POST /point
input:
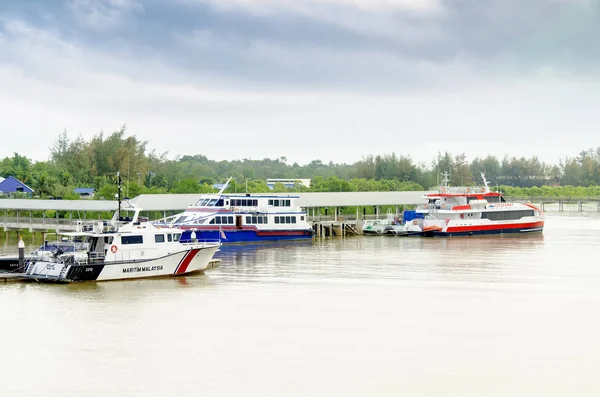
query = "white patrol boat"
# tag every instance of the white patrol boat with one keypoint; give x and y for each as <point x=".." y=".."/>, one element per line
<point x="124" y="248"/>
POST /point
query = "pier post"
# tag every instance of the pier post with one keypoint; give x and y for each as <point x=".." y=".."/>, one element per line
<point x="21" y="246"/>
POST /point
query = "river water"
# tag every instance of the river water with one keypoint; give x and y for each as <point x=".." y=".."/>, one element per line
<point x="355" y="316"/>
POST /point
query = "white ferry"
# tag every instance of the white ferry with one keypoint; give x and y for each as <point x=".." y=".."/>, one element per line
<point x="455" y="211"/>
<point x="124" y="248"/>
<point x="246" y="217"/>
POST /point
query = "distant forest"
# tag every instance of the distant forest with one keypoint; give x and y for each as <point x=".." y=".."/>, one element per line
<point x="75" y="162"/>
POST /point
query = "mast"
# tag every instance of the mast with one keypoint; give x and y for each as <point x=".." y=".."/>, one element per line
<point x="445" y="180"/>
<point x="485" y="182"/>
<point x="225" y="185"/>
<point x="119" y="196"/>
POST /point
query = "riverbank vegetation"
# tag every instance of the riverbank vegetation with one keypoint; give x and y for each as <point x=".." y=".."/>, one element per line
<point x="75" y="162"/>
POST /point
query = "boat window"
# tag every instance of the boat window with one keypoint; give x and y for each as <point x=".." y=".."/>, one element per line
<point x="287" y="203"/>
<point x="212" y="202"/>
<point x="231" y="220"/>
<point x="169" y="237"/>
<point x="276" y="203"/>
<point x="270" y="202"/>
<point x="255" y="203"/>
<point x="260" y="219"/>
<point x="248" y="219"/>
<point x="288" y="219"/>
<point x="204" y="202"/>
<point x="276" y="219"/>
<point x="254" y="220"/>
<point x="226" y="202"/>
<point x="132" y="240"/>
<point x="159" y="238"/>
<point x="176" y="236"/>
<point x="218" y="220"/>
<point x="302" y="218"/>
<point x="293" y="219"/>
<point x="219" y="203"/>
<point x="492" y="199"/>
<point x="506" y="215"/>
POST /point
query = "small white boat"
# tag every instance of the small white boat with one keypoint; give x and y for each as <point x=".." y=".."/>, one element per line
<point x="124" y="248"/>
<point x="390" y="225"/>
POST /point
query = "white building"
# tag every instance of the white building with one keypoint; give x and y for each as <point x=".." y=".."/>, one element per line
<point x="287" y="182"/>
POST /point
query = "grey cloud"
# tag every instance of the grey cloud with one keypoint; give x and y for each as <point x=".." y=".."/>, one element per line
<point x="384" y="49"/>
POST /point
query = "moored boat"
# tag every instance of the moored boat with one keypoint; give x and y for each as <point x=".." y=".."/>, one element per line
<point x="124" y="248"/>
<point x="455" y="211"/>
<point x="10" y="263"/>
<point x="389" y="225"/>
<point x="234" y="218"/>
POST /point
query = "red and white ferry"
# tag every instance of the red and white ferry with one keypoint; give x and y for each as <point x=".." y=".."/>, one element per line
<point x="455" y="211"/>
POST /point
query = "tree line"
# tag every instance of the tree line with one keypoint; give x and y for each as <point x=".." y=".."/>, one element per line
<point x="76" y="162"/>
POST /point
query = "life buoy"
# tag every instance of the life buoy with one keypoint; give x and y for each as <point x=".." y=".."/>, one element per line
<point x="113" y="249"/>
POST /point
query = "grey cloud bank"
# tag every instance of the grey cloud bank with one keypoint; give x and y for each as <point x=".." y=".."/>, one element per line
<point x="329" y="80"/>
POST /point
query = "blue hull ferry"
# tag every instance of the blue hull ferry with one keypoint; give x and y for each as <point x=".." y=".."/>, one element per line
<point x="237" y="218"/>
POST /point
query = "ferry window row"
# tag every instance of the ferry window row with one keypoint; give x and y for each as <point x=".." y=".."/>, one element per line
<point x="506" y="215"/>
<point x="244" y="203"/>
<point x="160" y="238"/>
<point x="489" y="199"/>
<point x="280" y="203"/>
<point x="256" y="219"/>
<point x="212" y="202"/>
<point x="222" y="220"/>
<point x="132" y="240"/>
<point x="285" y="219"/>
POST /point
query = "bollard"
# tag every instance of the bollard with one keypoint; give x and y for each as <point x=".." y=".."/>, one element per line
<point x="21" y="255"/>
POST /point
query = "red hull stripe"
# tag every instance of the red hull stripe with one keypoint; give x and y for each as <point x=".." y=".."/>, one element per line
<point x="185" y="262"/>
<point x="525" y="225"/>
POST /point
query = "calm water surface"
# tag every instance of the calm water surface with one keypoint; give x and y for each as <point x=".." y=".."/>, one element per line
<point x="359" y="316"/>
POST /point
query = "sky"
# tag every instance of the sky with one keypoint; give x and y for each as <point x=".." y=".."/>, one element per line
<point x="329" y="80"/>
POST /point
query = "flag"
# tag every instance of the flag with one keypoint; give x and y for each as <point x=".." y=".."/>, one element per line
<point x="222" y="233"/>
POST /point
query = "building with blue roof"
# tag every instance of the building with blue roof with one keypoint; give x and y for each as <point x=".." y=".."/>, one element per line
<point x="11" y="186"/>
<point x="85" y="192"/>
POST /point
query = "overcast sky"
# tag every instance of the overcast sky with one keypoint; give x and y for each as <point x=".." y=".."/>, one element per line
<point x="333" y="80"/>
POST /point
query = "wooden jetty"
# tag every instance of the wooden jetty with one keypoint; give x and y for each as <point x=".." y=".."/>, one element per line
<point x="12" y="277"/>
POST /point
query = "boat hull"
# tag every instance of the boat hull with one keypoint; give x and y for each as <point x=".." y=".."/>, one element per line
<point x="530" y="227"/>
<point x="247" y="236"/>
<point x="176" y="264"/>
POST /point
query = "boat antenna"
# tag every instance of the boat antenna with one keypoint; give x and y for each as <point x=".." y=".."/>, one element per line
<point x="445" y="179"/>
<point x="119" y="196"/>
<point x="225" y="185"/>
<point x="485" y="182"/>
